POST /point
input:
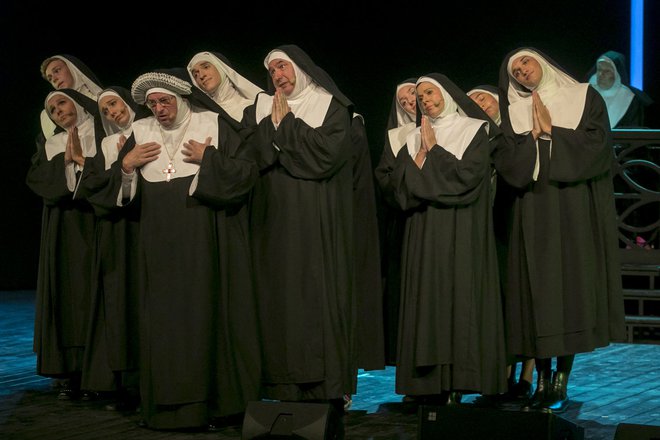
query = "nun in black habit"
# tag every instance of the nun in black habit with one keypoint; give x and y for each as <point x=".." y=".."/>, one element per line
<point x="487" y="97"/>
<point x="401" y="121"/>
<point x="66" y="257"/>
<point x="182" y="166"/>
<point x="302" y="231"/>
<point x="67" y="71"/>
<point x="451" y="336"/>
<point x="111" y="362"/>
<point x="212" y="73"/>
<point x="563" y="284"/>
<point x="626" y="104"/>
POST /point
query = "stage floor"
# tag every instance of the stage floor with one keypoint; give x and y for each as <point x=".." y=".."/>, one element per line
<point x="612" y="385"/>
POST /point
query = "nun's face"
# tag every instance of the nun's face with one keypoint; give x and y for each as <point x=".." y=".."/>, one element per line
<point x="527" y="71"/>
<point x="430" y="97"/>
<point x="604" y="75"/>
<point x="114" y="109"/>
<point x="163" y="106"/>
<point x="407" y="99"/>
<point x="62" y="111"/>
<point x="283" y="75"/>
<point x="59" y="75"/>
<point x="206" y="76"/>
<point x="487" y="103"/>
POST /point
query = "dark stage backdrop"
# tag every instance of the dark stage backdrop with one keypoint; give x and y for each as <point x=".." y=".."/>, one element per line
<point x="366" y="50"/>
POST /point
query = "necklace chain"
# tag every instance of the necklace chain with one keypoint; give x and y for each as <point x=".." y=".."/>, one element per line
<point x="177" y="145"/>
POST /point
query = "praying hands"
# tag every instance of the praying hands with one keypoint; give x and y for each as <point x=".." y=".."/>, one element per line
<point x="428" y="141"/>
<point x="541" y="117"/>
<point x="280" y="107"/>
<point x="73" y="151"/>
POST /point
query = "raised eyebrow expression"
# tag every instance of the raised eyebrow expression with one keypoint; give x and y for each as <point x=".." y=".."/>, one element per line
<point x="106" y="107"/>
<point x="279" y="66"/>
<point x="427" y="91"/>
<point x="58" y="102"/>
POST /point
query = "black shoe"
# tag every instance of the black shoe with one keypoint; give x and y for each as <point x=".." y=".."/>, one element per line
<point x="557" y="399"/>
<point x="539" y="398"/>
<point x="123" y="405"/>
<point x="488" y="400"/>
<point x="218" y="423"/>
<point x="89" y="396"/>
<point x="68" y="394"/>
<point x="454" y="398"/>
<point x="520" y="391"/>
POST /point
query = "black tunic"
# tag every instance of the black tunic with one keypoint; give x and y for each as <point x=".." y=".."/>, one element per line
<point x="368" y="286"/>
<point x="563" y="284"/>
<point x="450" y="329"/>
<point x="112" y="362"/>
<point x="301" y="225"/>
<point x="66" y="257"/>
<point x="199" y="348"/>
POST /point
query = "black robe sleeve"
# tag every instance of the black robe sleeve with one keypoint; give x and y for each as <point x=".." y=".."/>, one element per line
<point x="443" y="179"/>
<point x="226" y="174"/>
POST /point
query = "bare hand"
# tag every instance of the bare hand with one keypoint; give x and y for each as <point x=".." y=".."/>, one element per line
<point x="540" y="116"/>
<point x="194" y="151"/>
<point x="428" y="141"/>
<point x="121" y="142"/>
<point x="140" y="155"/>
<point x="280" y="107"/>
<point x="74" y="148"/>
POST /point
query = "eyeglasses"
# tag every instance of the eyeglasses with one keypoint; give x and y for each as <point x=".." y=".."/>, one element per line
<point x="163" y="101"/>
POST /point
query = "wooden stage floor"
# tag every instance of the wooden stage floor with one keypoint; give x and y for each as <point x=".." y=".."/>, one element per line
<point x="619" y="384"/>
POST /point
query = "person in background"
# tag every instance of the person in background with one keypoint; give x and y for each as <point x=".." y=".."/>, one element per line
<point x="404" y="108"/>
<point x="212" y="73"/>
<point x="368" y="283"/>
<point x="451" y="335"/>
<point x="625" y="104"/>
<point x="113" y="362"/>
<point x="521" y="388"/>
<point x="563" y="286"/>
<point x="401" y="121"/>
<point x="67" y="72"/>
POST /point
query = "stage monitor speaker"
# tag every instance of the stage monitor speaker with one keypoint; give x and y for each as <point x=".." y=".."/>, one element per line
<point x="630" y="431"/>
<point x="470" y="423"/>
<point x="291" y="420"/>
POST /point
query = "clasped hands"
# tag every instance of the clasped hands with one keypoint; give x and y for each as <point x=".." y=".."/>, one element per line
<point x="542" y="122"/>
<point x="280" y="108"/>
<point x="428" y="141"/>
<point x="73" y="150"/>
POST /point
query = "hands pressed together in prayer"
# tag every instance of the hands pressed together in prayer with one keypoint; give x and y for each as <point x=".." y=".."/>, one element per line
<point x="541" y="117"/>
<point x="280" y="107"/>
<point x="194" y="151"/>
<point x="428" y="141"/>
<point x="73" y="151"/>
